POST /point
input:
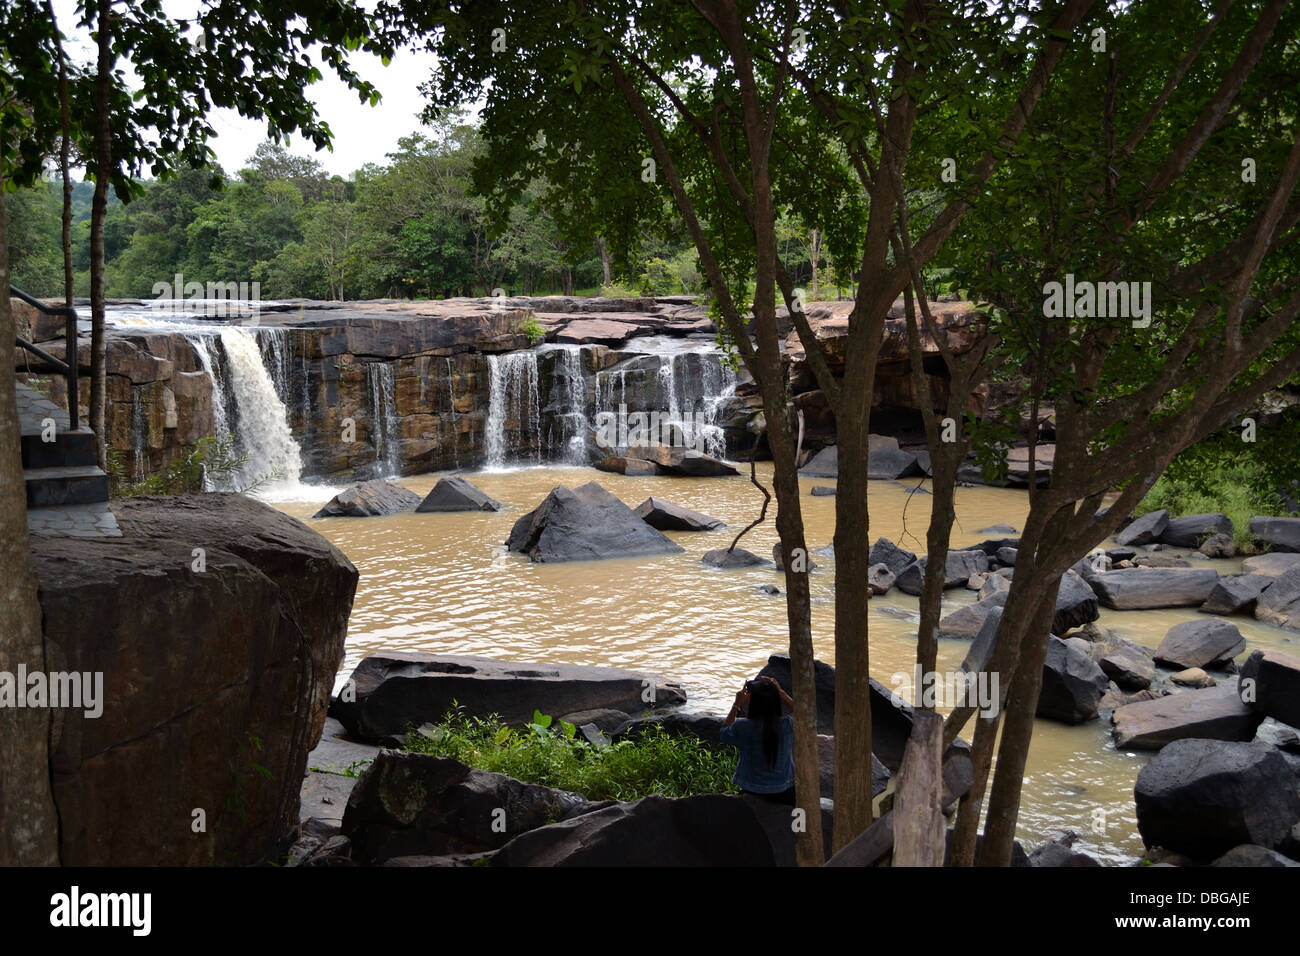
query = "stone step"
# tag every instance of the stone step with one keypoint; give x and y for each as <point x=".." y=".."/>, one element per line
<point x="67" y="449"/>
<point x="74" y="521"/>
<point x="66" y="485"/>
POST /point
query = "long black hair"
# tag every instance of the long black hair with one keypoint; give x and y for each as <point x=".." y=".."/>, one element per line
<point x="765" y="709"/>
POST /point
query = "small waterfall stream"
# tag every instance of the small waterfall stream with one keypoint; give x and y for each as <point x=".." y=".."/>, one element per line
<point x="385" y="424"/>
<point x="514" y="396"/>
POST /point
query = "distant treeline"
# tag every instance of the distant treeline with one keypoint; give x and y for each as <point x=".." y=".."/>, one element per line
<point x="412" y="228"/>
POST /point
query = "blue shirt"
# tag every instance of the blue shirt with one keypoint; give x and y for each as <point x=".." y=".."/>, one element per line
<point x="752" y="770"/>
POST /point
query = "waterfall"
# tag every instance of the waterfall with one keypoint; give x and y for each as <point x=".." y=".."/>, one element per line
<point x="139" y="431"/>
<point x="277" y="356"/>
<point x="246" y="405"/>
<point x="698" y="411"/>
<point x="513" y="392"/>
<point x="385" y="424"/>
<point x="568" y="438"/>
<point x="451" y="407"/>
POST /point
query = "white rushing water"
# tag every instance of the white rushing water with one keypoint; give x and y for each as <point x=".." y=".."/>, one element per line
<point x="274" y="457"/>
<point x="513" y="386"/>
<point x="385" y="425"/>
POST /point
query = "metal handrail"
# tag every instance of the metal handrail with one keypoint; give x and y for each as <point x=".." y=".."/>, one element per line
<point x="68" y="367"/>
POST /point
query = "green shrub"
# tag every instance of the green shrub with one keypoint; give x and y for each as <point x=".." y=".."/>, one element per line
<point x="1238" y="488"/>
<point x="656" y="762"/>
<point x="533" y="329"/>
<point x="213" y="458"/>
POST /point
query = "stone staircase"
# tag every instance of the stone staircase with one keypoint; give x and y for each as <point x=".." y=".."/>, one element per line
<point x="67" y="491"/>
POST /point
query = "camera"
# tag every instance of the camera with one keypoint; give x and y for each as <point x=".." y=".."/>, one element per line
<point x="752" y="685"/>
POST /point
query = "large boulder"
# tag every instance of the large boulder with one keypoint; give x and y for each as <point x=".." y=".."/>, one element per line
<point x="1282" y="534"/>
<point x="1236" y="593"/>
<point x="1272" y="565"/>
<point x="1073" y="684"/>
<point x="677" y="460"/>
<point x="1204" y="797"/>
<point x="958" y="568"/>
<point x="705" y="727"/>
<point x="824" y="464"/>
<point x="1279" y="603"/>
<point x="198" y="661"/>
<point x="1215" y="713"/>
<point x="371" y="499"/>
<point x="886" y="461"/>
<point x="1205" y="643"/>
<point x="1076" y="604"/>
<point x="392" y="690"/>
<point x="1129" y="589"/>
<point x="891" y="555"/>
<point x="1251" y="855"/>
<point x="1190" y="530"/>
<point x="709" y="830"/>
<point x="730" y="558"/>
<point x="1128" y="667"/>
<point x="1145" y="530"/>
<point x="455" y="493"/>
<point x="582" y="524"/>
<point x="412" y="804"/>
<point x="667" y="516"/>
<point x="964" y="623"/>
<point x="1270" y="682"/>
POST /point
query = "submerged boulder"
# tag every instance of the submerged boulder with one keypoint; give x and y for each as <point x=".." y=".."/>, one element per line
<point x="455" y="493"/>
<point x="667" y="516"/>
<point x="583" y="524"/>
<point x="392" y="690"/>
<point x="1205" y="797"/>
<point x="1130" y="589"/>
<point x="729" y="558"/>
<point x="371" y="499"/>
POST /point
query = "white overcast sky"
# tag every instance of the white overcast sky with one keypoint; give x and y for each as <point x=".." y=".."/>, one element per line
<point x="362" y="134"/>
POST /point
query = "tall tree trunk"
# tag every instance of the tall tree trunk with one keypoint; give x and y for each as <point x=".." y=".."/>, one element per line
<point x="815" y="250"/>
<point x="604" y="260"/>
<point x="30" y="832"/>
<point x="65" y="139"/>
<point x="98" y="211"/>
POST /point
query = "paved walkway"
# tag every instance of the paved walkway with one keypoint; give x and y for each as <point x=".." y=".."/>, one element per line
<point x="74" y="521"/>
<point x="34" y="408"/>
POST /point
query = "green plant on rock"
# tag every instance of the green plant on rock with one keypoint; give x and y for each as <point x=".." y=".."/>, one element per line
<point x="533" y="329"/>
<point x="211" y="461"/>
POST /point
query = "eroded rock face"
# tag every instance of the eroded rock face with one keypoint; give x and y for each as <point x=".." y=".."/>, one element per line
<point x="395" y="689"/>
<point x="206" y="673"/>
<point x="583" y="524"/>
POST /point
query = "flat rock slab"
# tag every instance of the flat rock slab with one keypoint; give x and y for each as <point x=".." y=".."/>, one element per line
<point x="371" y="499"/>
<point x="667" y="516"/>
<point x="396" y="689"/>
<point x="737" y="558"/>
<point x="1190" y="530"/>
<point x="1203" y="643"/>
<point x="1282" y="533"/>
<point x="1215" y="713"/>
<point x="1139" y="588"/>
<point x="596" y="332"/>
<point x="675" y="460"/>
<point x="1273" y="565"/>
<point x="958" y="568"/>
<point x="455" y="493"/>
<point x="584" y="524"/>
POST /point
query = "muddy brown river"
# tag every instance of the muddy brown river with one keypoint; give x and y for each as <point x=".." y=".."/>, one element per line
<point x="444" y="583"/>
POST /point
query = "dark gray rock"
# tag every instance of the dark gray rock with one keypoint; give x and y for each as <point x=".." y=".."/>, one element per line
<point x="1282" y="534"/>
<point x="1120" y="554"/>
<point x="728" y="559"/>
<point x="1279" y="603"/>
<point x="891" y="555"/>
<point x="997" y="529"/>
<point x="957" y="571"/>
<point x="1215" y="713"/>
<point x="886" y="461"/>
<point x="1204" y="797"/>
<point x="1145" y="530"/>
<point x="1249" y="854"/>
<point x="1128" y="667"/>
<point x="1007" y="556"/>
<point x="666" y="516"/>
<point x="1270" y="682"/>
<point x="824" y="464"/>
<point x="1060" y="852"/>
<point x="964" y="623"/>
<point x="808" y="563"/>
<point x="708" y="830"/>
<point x="455" y="493"/>
<point x="417" y="804"/>
<point x="1236" y="594"/>
<point x="371" y="499"/>
<point x="583" y="524"/>
<point x="1073" y="684"/>
<point x="1272" y="565"/>
<point x="1076" y="604"/>
<point x="823" y="491"/>
<point x="1137" y="588"/>
<point x="880" y="579"/>
<point x="397" y="689"/>
<point x="1218" y="546"/>
<point x="705" y="727"/>
<point x="1209" y="642"/>
<point x="605" y="718"/>
<point x="1190" y="530"/>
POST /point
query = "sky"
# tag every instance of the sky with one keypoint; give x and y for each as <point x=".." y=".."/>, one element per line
<point x="362" y="134"/>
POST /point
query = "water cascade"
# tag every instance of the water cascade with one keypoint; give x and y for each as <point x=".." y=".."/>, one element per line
<point x="514" y="399"/>
<point x="385" y="424"/>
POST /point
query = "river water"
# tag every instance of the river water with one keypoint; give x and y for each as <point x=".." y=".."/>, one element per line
<point x="444" y="583"/>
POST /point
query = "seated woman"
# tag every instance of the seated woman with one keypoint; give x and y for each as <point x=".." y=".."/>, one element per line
<point x="765" y="740"/>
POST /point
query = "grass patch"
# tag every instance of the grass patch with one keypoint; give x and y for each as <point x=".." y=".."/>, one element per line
<point x="1237" y="490"/>
<point x="556" y="756"/>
